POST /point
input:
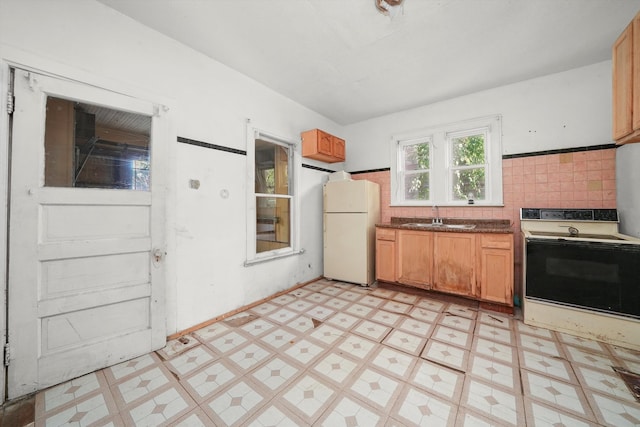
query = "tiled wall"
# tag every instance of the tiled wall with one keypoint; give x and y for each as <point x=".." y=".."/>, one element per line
<point x="581" y="179"/>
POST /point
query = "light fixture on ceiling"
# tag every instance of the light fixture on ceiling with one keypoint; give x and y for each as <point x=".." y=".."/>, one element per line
<point x="391" y="8"/>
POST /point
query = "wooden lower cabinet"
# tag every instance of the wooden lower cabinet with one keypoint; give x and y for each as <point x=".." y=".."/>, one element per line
<point x="415" y="257"/>
<point x="454" y="262"/>
<point x="386" y="254"/>
<point x="495" y="268"/>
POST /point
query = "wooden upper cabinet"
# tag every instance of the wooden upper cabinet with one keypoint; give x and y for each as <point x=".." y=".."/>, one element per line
<point x="320" y="145"/>
<point x="626" y="84"/>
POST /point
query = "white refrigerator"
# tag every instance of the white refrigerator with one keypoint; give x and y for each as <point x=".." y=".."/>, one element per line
<point x="351" y="211"/>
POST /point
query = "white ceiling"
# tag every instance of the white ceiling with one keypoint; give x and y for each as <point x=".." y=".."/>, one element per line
<point x="349" y="62"/>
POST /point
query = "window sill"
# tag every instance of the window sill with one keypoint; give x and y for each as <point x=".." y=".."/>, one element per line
<point x="272" y="256"/>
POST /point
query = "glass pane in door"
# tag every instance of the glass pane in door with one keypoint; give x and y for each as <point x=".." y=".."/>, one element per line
<point x="95" y="147"/>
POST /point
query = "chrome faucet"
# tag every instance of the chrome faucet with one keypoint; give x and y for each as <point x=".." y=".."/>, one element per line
<point x="435" y="212"/>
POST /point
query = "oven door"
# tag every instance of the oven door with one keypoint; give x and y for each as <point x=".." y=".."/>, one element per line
<point x="593" y="275"/>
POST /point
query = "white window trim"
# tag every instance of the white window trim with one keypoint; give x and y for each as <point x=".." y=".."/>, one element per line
<point x="252" y="257"/>
<point x="440" y="160"/>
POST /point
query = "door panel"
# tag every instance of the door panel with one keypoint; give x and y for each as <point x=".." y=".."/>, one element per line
<point x="85" y="287"/>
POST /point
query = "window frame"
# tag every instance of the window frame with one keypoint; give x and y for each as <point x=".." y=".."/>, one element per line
<point x="400" y="164"/>
<point x="441" y="160"/>
<point x="449" y="137"/>
<point x="294" y="167"/>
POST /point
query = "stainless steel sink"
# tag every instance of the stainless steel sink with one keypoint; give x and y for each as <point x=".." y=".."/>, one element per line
<point x="437" y="226"/>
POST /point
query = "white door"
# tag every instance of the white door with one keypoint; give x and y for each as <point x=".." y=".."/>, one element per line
<point x="86" y="241"/>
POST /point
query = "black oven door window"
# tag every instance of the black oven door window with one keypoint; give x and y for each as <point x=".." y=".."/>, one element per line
<point x="593" y="275"/>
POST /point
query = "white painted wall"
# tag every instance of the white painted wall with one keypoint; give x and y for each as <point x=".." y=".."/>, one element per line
<point x="627" y="193"/>
<point x="86" y="41"/>
<point x="569" y="109"/>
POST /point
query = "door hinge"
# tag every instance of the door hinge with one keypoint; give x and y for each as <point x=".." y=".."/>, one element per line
<point x="7" y="354"/>
<point x="10" y="102"/>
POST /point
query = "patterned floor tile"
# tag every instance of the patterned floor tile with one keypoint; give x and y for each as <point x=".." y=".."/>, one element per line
<point x="227" y="342"/>
<point x="377" y="389"/>
<point x="283" y="299"/>
<point x="335" y="368"/>
<point x="300" y="305"/>
<point x="405" y="298"/>
<point x="588" y="358"/>
<point x="469" y="418"/>
<point x="195" y="418"/>
<point x="547" y="365"/>
<point x="282" y="316"/>
<point x="540" y="345"/>
<point x="417" y="408"/>
<point x="143" y="384"/>
<point x="372" y="301"/>
<point x="350" y="296"/>
<point x="161" y="409"/>
<point x="625" y="353"/>
<point x="308" y="397"/>
<point x="405" y="341"/>
<point x="265" y="308"/>
<point x="235" y="404"/>
<point x="300" y="292"/>
<point x="279" y="337"/>
<point x="209" y="332"/>
<point x="397" y="307"/>
<point x="91" y="408"/>
<point x="494" y="350"/>
<point x="540" y="415"/>
<point x="276" y="373"/>
<point x="319" y="312"/>
<point x="258" y="327"/>
<point x="608" y="383"/>
<point x="357" y="347"/>
<point x="343" y="320"/>
<point x="562" y="396"/>
<point x="589" y="345"/>
<point x="304" y="352"/>
<point x="438" y="380"/>
<point x="452" y="336"/>
<point x="327" y="334"/>
<point x="495" y="372"/>
<point x="177" y="346"/>
<point x="373" y="331"/>
<point x="416" y="327"/>
<point x="495" y="319"/>
<point x="495" y="403"/>
<point x="461" y="310"/>
<point x="317" y="298"/>
<point x="359" y="310"/>
<point x="383" y="293"/>
<point x="495" y="333"/>
<point x="523" y="328"/>
<point x="249" y="356"/>
<point x="274" y="414"/>
<point x="423" y="314"/>
<point x="613" y="412"/>
<point x="207" y="382"/>
<point x="336" y="303"/>
<point x="431" y="305"/>
<point x="393" y="362"/>
<point x="191" y="361"/>
<point x="131" y="367"/>
<point x="332" y="290"/>
<point x="458" y="322"/>
<point x="445" y="354"/>
<point x="64" y="394"/>
<point x="302" y="324"/>
<point x="350" y="412"/>
<point x="385" y="317"/>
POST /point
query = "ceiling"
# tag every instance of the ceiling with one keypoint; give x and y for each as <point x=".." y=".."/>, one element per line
<point x="348" y="62"/>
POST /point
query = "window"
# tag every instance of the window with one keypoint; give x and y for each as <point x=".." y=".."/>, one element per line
<point x="456" y="164"/>
<point x="271" y="196"/>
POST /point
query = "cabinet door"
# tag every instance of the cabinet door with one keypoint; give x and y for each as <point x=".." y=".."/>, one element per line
<point x="415" y="258"/>
<point x="495" y="267"/>
<point x="623" y="84"/>
<point x="339" y="149"/>
<point x="386" y="260"/>
<point x="325" y="143"/>
<point x="454" y="263"/>
<point x="496" y="270"/>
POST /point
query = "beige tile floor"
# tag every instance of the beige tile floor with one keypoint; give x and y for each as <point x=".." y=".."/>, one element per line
<point x="335" y="354"/>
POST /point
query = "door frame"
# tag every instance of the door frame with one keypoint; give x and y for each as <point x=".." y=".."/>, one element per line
<point x="11" y="57"/>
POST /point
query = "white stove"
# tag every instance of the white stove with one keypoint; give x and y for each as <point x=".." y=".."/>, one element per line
<point x="581" y="276"/>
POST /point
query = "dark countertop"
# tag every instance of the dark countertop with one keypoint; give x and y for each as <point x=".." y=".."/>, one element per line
<point x="481" y="225"/>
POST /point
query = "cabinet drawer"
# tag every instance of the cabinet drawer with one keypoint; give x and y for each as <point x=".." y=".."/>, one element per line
<point x="385" y="234"/>
<point x="497" y="241"/>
